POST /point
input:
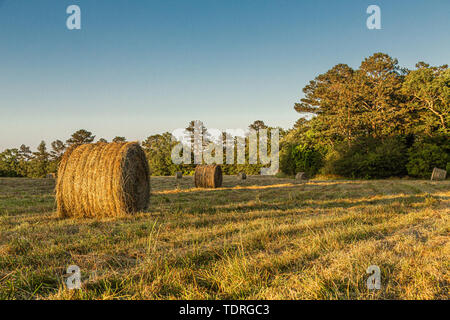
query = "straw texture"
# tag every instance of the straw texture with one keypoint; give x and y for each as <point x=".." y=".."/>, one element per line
<point x="103" y="179"/>
<point x="208" y="176"/>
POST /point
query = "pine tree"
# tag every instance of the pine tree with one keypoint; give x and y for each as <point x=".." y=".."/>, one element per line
<point x="80" y="137"/>
<point x="40" y="162"/>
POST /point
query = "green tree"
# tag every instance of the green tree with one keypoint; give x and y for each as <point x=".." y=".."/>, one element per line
<point x="24" y="156"/>
<point x="257" y="125"/>
<point x="299" y="150"/>
<point x="159" y="151"/>
<point x="56" y="153"/>
<point x="80" y="137"/>
<point x="428" y="153"/>
<point x="428" y="89"/>
<point x="331" y="99"/>
<point x="119" y="139"/>
<point x="9" y="163"/>
<point x="203" y="135"/>
<point x="58" y="149"/>
<point x="348" y="104"/>
<point x="378" y="83"/>
<point x="203" y="138"/>
<point x="40" y="162"/>
<point x="364" y="119"/>
<point x="370" y="158"/>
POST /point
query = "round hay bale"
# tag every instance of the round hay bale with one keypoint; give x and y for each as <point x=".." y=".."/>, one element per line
<point x="103" y="180"/>
<point x="438" y="174"/>
<point x="178" y="175"/>
<point x="242" y="176"/>
<point x="301" y="176"/>
<point x="208" y="176"/>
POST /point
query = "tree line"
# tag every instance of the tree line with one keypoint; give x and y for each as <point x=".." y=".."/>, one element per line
<point x="22" y="162"/>
<point x="377" y="121"/>
<point x="380" y="120"/>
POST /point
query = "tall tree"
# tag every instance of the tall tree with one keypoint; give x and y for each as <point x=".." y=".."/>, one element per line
<point x="9" y="163"/>
<point x="203" y="134"/>
<point x="349" y="104"/>
<point x="429" y="91"/>
<point x="56" y="153"/>
<point x="80" y="137"/>
<point x="119" y="139"/>
<point x="58" y="148"/>
<point x="331" y="99"/>
<point x="381" y="105"/>
<point x="258" y="124"/>
<point x="24" y="156"/>
<point x="159" y="150"/>
<point x="25" y="153"/>
<point x="40" y="162"/>
<point x="199" y="141"/>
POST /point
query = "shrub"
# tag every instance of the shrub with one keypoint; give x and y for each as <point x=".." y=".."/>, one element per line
<point x="300" y="158"/>
<point x="427" y="153"/>
<point x="371" y="158"/>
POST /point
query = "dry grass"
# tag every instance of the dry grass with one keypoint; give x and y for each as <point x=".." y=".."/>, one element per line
<point x="260" y="238"/>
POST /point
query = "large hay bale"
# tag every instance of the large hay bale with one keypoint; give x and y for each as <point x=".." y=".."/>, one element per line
<point x="438" y="174"/>
<point x="208" y="176"/>
<point x="103" y="179"/>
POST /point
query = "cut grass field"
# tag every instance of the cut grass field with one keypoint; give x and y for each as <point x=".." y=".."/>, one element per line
<point x="263" y="238"/>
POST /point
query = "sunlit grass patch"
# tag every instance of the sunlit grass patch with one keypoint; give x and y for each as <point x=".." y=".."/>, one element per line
<point x="263" y="238"/>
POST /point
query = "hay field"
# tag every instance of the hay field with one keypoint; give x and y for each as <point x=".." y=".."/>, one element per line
<point x="262" y="238"/>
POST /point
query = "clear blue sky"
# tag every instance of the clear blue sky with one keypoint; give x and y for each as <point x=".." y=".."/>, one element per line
<point x="141" y="67"/>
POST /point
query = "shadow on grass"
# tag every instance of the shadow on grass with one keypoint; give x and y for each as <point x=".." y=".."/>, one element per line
<point x="262" y="206"/>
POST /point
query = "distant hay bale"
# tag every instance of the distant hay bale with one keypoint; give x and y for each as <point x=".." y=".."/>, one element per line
<point x="50" y="176"/>
<point x="438" y="174"/>
<point x="242" y="176"/>
<point x="208" y="176"/>
<point x="301" y="176"/>
<point x="178" y="175"/>
<point x="103" y="179"/>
